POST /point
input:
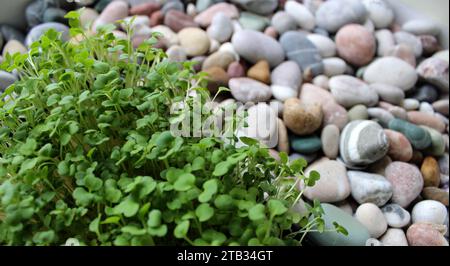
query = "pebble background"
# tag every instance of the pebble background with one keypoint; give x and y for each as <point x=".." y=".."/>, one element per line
<point x="363" y="99"/>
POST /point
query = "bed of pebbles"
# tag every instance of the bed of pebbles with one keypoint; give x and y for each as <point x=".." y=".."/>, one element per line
<point x="363" y="99"/>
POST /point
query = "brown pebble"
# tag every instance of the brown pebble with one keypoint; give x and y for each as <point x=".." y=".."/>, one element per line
<point x="434" y="193"/>
<point x="302" y="118"/>
<point x="157" y="18"/>
<point x="177" y="20"/>
<point x="236" y="70"/>
<point x="425" y="234"/>
<point x="260" y="71"/>
<point x="417" y="158"/>
<point x="216" y="77"/>
<point x="430" y="172"/>
<point x="146" y="9"/>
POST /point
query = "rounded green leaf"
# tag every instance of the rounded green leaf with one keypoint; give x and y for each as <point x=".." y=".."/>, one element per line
<point x="181" y="229"/>
<point x="184" y="182"/>
<point x="257" y="212"/>
<point x="204" y="212"/>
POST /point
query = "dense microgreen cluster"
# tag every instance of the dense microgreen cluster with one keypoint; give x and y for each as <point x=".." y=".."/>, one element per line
<point x="85" y="154"/>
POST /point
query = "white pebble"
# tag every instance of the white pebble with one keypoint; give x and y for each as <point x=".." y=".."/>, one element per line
<point x="429" y="211"/>
<point x="411" y="104"/>
<point x="372" y="218"/>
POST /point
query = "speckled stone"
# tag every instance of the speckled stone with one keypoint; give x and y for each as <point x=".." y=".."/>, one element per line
<point x="363" y="142"/>
<point x="406" y="180"/>
<point x="399" y="147"/>
<point x="435" y="71"/>
<point x="369" y="188"/>
<point x="425" y="234"/>
<point x="301" y="118"/>
<point x="355" y="44"/>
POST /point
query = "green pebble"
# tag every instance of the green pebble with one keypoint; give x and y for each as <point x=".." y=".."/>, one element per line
<point x="101" y="5"/>
<point x="420" y="138"/>
<point x="253" y="22"/>
<point x="54" y="15"/>
<point x="437" y="147"/>
<point x="357" y="232"/>
<point x="358" y="112"/>
<point x="306" y="145"/>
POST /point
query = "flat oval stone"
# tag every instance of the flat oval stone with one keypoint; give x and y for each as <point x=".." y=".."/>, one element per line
<point x="287" y="74"/>
<point x="394" y="237"/>
<point x="358" y="112"/>
<point x="249" y="90"/>
<point x="252" y="21"/>
<point x="438" y="146"/>
<point x="399" y="147"/>
<point x="36" y="32"/>
<point x="388" y="93"/>
<point x="425" y="234"/>
<point x="372" y="218"/>
<point x="220" y="59"/>
<point x="442" y="106"/>
<point x="406" y="180"/>
<point x="396" y="216"/>
<point x="299" y="49"/>
<point x="304" y="18"/>
<point x="363" y="142"/>
<point x="421" y="118"/>
<point x="430" y="172"/>
<point x="380" y="13"/>
<point x="334" y="66"/>
<point x="301" y="118"/>
<point x="333" y="184"/>
<point x="418" y="137"/>
<point x="326" y="46"/>
<point x="380" y="115"/>
<point x="254" y="46"/>
<point x="435" y="71"/>
<point x="177" y="20"/>
<point x="410" y="40"/>
<point x="221" y="28"/>
<point x="14" y="46"/>
<point x="369" y="188"/>
<point x="357" y="232"/>
<point x="332" y="15"/>
<point x="113" y="12"/>
<point x="421" y="27"/>
<point x="306" y="145"/>
<point x="349" y="91"/>
<point x="283" y="22"/>
<point x="6" y="79"/>
<point x="263" y="7"/>
<point x="205" y="17"/>
<point x="429" y="211"/>
<point x="392" y="71"/>
<point x="194" y="41"/>
<point x="355" y="44"/>
<point x="330" y="141"/>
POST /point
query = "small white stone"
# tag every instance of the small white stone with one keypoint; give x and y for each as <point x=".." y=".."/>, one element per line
<point x="334" y="66"/>
<point x="326" y="46"/>
<point x="426" y="108"/>
<point x="396" y="216"/>
<point x="228" y="47"/>
<point x="429" y="211"/>
<point x="411" y="104"/>
<point x="394" y="237"/>
<point x="372" y="218"/>
<point x="282" y="93"/>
